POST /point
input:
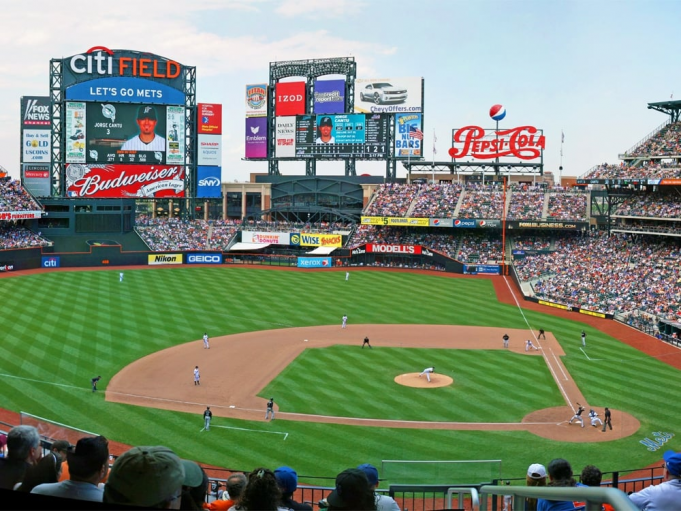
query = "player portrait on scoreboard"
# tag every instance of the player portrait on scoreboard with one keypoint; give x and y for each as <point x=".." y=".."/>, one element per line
<point x="325" y="129"/>
<point x="147" y="139"/>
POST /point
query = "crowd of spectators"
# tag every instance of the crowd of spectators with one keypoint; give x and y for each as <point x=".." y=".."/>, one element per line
<point x="162" y="234"/>
<point x="443" y="243"/>
<point x="610" y="274"/>
<point x="482" y="203"/>
<point x="14" y="236"/>
<point x="665" y="142"/>
<point x="392" y="199"/>
<point x="531" y="243"/>
<point x="650" y="227"/>
<point x="660" y="205"/>
<point x="437" y="200"/>
<point x="568" y="206"/>
<point x="527" y="202"/>
<point x="648" y="170"/>
<point x="481" y="248"/>
<point x="13" y="197"/>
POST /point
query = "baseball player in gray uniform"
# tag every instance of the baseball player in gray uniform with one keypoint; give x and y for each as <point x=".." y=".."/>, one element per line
<point x="205" y="341"/>
<point x="207" y="416"/>
<point x="197" y="376"/>
<point x="147" y="140"/>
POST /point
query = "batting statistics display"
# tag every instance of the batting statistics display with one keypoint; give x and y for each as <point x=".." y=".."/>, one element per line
<point x="338" y="136"/>
<point x="124" y="133"/>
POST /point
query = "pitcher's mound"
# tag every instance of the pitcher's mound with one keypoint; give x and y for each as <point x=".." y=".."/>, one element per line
<point x="413" y="380"/>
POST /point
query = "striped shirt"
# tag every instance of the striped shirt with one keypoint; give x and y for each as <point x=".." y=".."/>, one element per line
<point x="135" y="144"/>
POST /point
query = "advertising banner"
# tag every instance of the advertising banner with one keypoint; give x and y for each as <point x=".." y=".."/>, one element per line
<point x="36" y="146"/>
<point x="392" y="220"/>
<point x="388" y="95"/>
<point x="209" y="151"/>
<point x="50" y="262"/>
<point x="314" y="262"/>
<point x="329" y="96"/>
<point x="209" y="184"/>
<point x="6" y="266"/>
<point x="563" y="226"/>
<point x="36" y="179"/>
<point x="272" y="238"/>
<point x="210" y="119"/>
<point x="489" y="224"/>
<point x="286" y="142"/>
<point x="290" y="98"/>
<point x="19" y="215"/>
<point x="213" y="258"/>
<point x="316" y="240"/>
<point x="337" y="136"/>
<point x="125" y="90"/>
<point x="408" y="135"/>
<point x="157" y="259"/>
<point x="127" y="133"/>
<point x="523" y="142"/>
<point x="441" y="222"/>
<point x="256" y="100"/>
<point x="378" y="248"/>
<point x="465" y="223"/>
<point x="101" y="62"/>
<point x="35" y="112"/>
<point x="256" y="137"/>
<point x="475" y="269"/>
<point x="554" y="305"/>
<point x="75" y="132"/>
<point x="121" y="181"/>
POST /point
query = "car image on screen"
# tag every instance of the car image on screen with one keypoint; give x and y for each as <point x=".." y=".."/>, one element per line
<point x="383" y="92"/>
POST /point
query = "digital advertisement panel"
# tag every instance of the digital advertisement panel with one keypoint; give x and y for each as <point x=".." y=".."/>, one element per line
<point x="120" y="181"/>
<point x="125" y="133"/>
<point x="290" y="98"/>
<point x="210" y="118"/>
<point x="273" y="238"/>
<point x="256" y="100"/>
<point x="209" y="151"/>
<point x="35" y="112"/>
<point x="286" y="142"/>
<point x="209" y="184"/>
<point x="408" y="136"/>
<point x="256" y="137"/>
<point x="36" y="146"/>
<point x="337" y="136"/>
<point x="125" y="90"/>
<point x="36" y="179"/>
<point x="388" y="95"/>
<point x="329" y="96"/>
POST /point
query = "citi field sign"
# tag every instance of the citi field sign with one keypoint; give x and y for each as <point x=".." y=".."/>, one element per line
<point x="101" y="62"/>
<point x="523" y="142"/>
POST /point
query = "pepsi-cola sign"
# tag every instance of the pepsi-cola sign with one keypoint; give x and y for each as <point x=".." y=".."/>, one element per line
<point x="523" y="142"/>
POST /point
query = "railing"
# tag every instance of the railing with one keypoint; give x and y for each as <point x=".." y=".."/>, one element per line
<point x="593" y="497"/>
<point x="644" y="140"/>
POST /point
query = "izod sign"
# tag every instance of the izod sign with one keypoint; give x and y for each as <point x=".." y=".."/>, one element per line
<point x="290" y="98"/>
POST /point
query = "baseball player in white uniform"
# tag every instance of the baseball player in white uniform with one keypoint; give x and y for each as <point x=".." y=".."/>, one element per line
<point x="205" y="341"/>
<point x="120" y="277"/>
<point x="344" y="321"/>
<point x="147" y="139"/>
<point x="595" y="421"/>
<point x="529" y="345"/>
<point x="197" y="377"/>
<point x="347" y="275"/>
<point x="505" y="338"/>
<point x="427" y="372"/>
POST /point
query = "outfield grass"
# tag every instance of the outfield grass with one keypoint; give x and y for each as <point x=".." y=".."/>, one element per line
<point x="61" y="329"/>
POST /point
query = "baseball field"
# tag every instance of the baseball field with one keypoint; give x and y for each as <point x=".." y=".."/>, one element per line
<point x="276" y="333"/>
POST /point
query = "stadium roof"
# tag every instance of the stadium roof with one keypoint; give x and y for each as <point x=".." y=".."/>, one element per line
<point x="322" y="251"/>
<point x="671" y="108"/>
<point x="248" y="246"/>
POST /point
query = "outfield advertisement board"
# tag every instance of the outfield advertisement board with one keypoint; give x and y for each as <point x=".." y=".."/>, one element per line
<point x="290" y="98"/>
<point x="209" y="182"/>
<point x="163" y="259"/>
<point x="209" y="119"/>
<point x="50" y="262"/>
<point x="256" y="100"/>
<point x="305" y="239"/>
<point x="563" y="225"/>
<point x="272" y="238"/>
<point x="256" y="137"/>
<point x="329" y="97"/>
<point x="19" y="215"/>
<point x="207" y="258"/>
<point x="394" y="220"/>
<point x="388" y="95"/>
<point x="385" y="248"/>
<point x="124" y="133"/>
<point x="124" y="181"/>
<point x="475" y="269"/>
<point x="314" y="262"/>
<point x="408" y="135"/>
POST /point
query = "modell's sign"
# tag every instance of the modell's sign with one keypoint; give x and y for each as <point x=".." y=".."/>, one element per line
<point x="523" y="142"/>
<point x="393" y="249"/>
<point x="124" y="181"/>
<point x="101" y="62"/>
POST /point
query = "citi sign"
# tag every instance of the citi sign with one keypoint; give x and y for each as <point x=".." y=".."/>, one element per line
<point x="99" y="60"/>
<point x="50" y="262"/>
<point x="204" y="259"/>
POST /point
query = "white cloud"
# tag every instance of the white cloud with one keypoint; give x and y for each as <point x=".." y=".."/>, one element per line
<point x="319" y="9"/>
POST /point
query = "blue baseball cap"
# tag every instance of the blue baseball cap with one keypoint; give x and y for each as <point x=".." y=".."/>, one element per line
<point x="287" y="478"/>
<point x="371" y="472"/>
<point x="673" y="461"/>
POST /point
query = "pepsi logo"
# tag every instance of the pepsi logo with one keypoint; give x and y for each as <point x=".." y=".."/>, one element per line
<point x="457" y="222"/>
<point x="437" y="222"/>
<point x="497" y="112"/>
<point x="483" y="223"/>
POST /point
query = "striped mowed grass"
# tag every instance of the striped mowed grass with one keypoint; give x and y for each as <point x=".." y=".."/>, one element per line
<point x="60" y="329"/>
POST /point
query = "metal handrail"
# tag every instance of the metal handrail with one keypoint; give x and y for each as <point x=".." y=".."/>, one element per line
<point x="594" y="497"/>
<point x="461" y="491"/>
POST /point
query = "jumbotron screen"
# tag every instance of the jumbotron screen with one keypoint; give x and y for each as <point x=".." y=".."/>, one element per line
<point x="116" y="133"/>
<point x="337" y="136"/>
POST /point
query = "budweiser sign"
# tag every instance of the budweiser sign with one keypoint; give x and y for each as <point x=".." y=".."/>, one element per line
<point x="124" y="181"/>
<point x="523" y="142"/>
<point x="393" y="249"/>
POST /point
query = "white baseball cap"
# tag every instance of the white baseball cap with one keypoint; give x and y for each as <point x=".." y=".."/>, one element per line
<point x="536" y="471"/>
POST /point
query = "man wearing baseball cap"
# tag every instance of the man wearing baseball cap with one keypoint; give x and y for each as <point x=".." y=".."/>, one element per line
<point x="536" y="476"/>
<point x="287" y="479"/>
<point x="147" y="139"/>
<point x="666" y="495"/>
<point x="383" y="502"/>
<point x="325" y="128"/>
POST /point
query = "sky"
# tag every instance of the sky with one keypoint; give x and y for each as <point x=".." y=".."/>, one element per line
<point x="586" y="68"/>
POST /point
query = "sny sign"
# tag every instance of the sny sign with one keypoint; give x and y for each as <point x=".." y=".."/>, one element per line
<point x="523" y="142"/>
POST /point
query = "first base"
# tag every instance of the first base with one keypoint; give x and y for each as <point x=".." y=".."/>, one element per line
<point x="305" y="340"/>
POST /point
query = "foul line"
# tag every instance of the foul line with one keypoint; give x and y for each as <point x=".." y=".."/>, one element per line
<point x="255" y="430"/>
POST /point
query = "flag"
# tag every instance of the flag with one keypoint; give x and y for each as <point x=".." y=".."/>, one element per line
<point x="414" y="132"/>
<point x="434" y="140"/>
<point x="562" y="136"/>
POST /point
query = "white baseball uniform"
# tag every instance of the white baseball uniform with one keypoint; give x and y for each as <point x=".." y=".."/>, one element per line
<point x="347" y="275"/>
<point x="345" y="321"/>
<point x="529" y="345"/>
<point x="427" y="372"/>
<point x="196" y="376"/>
<point x="595" y="421"/>
<point x="205" y="341"/>
<point x="136" y="144"/>
<point x="120" y="277"/>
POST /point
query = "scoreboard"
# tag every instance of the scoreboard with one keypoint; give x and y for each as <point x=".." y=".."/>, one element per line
<point x="351" y="136"/>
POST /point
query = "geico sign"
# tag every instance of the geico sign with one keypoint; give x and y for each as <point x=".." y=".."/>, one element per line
<point x="100" y="61"/>
<point x="204" y="258"/>
<point x="394" y="249"/>
<point x="289" y="98"/>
